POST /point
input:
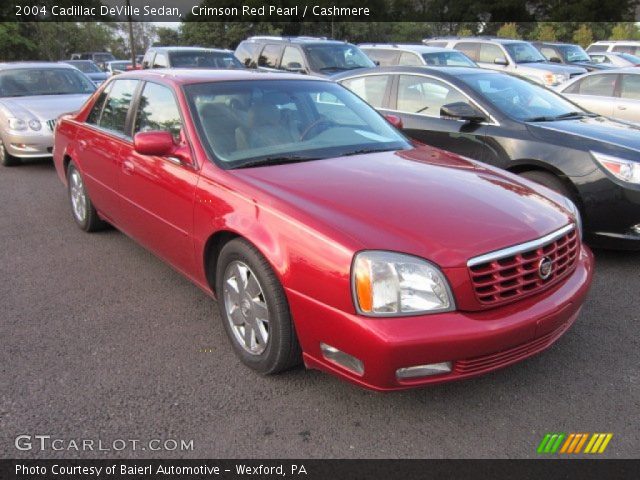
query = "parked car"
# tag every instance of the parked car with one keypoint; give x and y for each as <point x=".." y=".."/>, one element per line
<point x="322" y="230"/>
<point x="569" y="54"/>
<point x="525" y="128"/>
<point x="621" y="46"/>
<point x="615" y="59"/>
<point x="613" y="94"/>
<point x="308" y="55"/>
<point x="510" y="56"/>
<point x="118" y="66"/>
<point x="99" y="58"/>
<point x="90" y="69"/>
<point x="388" y="55"/>
<point x="32" y="96"/>
<point x="189" y="57"/>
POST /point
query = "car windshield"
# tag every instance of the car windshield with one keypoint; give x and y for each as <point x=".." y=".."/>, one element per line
<point x="251" y="123"/>
<point x="119" y="65"/>
<point x="574" y="53"/>
<point x="524" y="53"/>
<point x="448" y="59"/>
<point x="24" y="82"/>
<point x="337" y="57"/>
<point x="632" y="58"/>
<point x="86" y="67"/>
<point x="521" y="99"/>
<point x="204" y="59"/>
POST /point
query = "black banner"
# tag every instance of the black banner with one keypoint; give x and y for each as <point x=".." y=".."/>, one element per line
<point x="321" y="469"/>
<point x="319" y="10"/>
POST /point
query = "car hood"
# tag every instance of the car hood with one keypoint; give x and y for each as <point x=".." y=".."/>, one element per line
<point x="549" y="67"/>
<point x="595" y="133"/>
<point x="97" y="76"/>
<point x="593" y="65"/>
<point x="43" y="107"/>
<point x="424" y="202"/>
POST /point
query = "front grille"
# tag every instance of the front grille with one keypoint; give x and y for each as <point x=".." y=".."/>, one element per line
<point x="512" y="355"/>
<point x="516" y="272"/>
<point x="51" y="124"/>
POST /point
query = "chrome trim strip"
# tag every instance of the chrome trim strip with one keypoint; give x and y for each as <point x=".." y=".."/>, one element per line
<point x="523" y="247"/>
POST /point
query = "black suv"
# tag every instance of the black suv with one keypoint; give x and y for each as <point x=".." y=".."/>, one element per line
<point x="310" y="55"/>
<point x="568" y="54"/>
<point x="189" y="57"/>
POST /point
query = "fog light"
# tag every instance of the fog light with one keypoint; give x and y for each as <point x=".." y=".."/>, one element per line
<point x="343" y="359"/>
<point x="423" y="370"/>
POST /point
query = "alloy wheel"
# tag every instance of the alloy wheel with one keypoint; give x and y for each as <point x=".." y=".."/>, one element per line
<point x="78" y="196"/>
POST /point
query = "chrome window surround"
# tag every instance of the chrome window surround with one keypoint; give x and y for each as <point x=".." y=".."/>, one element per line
<point x="521" y="248"/>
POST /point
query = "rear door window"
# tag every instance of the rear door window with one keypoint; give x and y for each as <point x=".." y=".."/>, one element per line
<point x="630" y="87"/>
<point x="116" y="108"/>
<point x="410" y="59"/>
<point x="270" y="56"/>
<point x="424" y="95"/>
<point x="94" y="115"/>
<point x="470" y="49"/>
<point x="490" y="52"/>
<point x="371" y="88"/>
<point x="385" y="58"/>
<point x="292" y="56"/>
<point x="599" y="85"/>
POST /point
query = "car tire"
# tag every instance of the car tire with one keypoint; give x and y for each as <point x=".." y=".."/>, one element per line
<point x="6" y="159"/>
<point x="549" y="180"/>
<point x="82" y="209"/>
<point x="254" y="310"/>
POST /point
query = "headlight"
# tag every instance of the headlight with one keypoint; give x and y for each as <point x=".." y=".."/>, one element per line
<point x="554" y="78"/>
<point x="572" y="207"/>
<point x="17" y="124"/>
<point x="625" y="170"/>
<point x="387" y="284"/>
<point x="35" y="125"/>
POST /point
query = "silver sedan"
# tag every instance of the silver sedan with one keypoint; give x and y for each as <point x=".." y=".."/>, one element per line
<point x="611" y="93"/>
<point x="32" y="96"/>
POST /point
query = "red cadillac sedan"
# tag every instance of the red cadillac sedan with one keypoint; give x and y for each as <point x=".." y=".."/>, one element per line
<point x="324" y="234"/>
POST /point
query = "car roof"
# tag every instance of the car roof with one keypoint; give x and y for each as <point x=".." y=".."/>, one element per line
<point x="185" y="76"/>
<point x="503" y="41"/>
<point x="444" y="72"/>
<point x="33" y="65"/>
<point x="297" y="40"/>
<point x="188" y="49"/>
<point x="417" y="48"/>
<point x="617" y="42"/>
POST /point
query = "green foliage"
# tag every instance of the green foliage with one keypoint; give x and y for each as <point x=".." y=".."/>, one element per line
<point x="583" y="36"/>
<point x="508" y="30"/>
<point x="464" y="32"/>
<point x="545" y="32"/>
<point x="168" y="36"/>
<point x="625" y="31"/>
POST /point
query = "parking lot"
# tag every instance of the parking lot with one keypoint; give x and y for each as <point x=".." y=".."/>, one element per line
<point x="102" y="340"/>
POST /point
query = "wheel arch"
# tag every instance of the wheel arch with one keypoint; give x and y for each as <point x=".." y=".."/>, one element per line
<point x="528" y="165"/>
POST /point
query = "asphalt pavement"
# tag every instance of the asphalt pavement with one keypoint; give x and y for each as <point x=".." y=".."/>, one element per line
<point x="102" y="341"/>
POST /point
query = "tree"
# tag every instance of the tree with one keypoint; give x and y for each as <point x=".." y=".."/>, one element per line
<point x="464" y="32"/>
<point x="583" y="36"/>
<point x="168" y="36"/>
<point x="545" y="32"/>
<point x="625" y="31"/>
<point x="508" y="30"/>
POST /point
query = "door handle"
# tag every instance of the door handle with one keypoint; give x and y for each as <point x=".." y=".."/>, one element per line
<point x="128" y="167"/>
<point x="621" y="107"/>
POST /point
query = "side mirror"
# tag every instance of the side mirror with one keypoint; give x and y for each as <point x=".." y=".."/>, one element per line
<point x="501" y="61"/>
<point x="462" y="111"/>
<point x="555" y="60"/>
<point x="394" y="120"/>
<point x="294" y="67"/>
<point x="155" y="143"/>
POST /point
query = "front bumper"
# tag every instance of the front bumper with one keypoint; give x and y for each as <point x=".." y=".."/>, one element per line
<point x="29" y="144"/>
<point x="475" y="342"/>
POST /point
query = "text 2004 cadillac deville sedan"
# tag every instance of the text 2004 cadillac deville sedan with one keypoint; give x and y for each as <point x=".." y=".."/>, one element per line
<point x="323" y="232"/>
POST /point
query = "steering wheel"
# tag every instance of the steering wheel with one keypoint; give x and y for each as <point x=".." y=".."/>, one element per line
<point x="320" y="121"/>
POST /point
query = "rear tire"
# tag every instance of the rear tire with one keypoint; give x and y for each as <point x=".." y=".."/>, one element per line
<point x="254" y="310"/>
<point x="6" y="159"/>
<point x="549" y="180"/>
<point x="82" y="209"/>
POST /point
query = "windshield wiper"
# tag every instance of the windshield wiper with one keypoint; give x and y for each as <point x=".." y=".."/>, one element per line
<point x="275" y="160"/>
<point x="561" y="117"/>
<point x="362" y="151"/>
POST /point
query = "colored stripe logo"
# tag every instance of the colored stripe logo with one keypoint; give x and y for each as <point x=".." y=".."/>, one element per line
<point x="572" y="443"/>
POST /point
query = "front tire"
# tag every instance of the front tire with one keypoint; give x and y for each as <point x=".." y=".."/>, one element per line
<point x="82" y="209"/>
<point x="6" y="159"/>
<point x="254" y="310"/>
